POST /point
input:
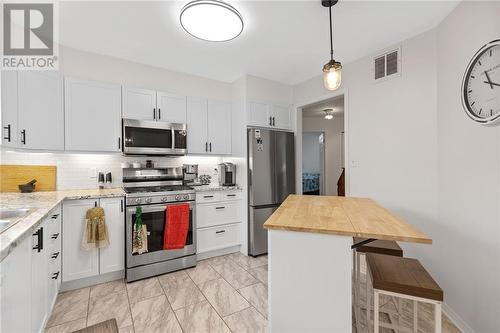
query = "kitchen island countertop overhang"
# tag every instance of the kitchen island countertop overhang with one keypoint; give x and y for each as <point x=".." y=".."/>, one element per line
<point x="310" y="258"/>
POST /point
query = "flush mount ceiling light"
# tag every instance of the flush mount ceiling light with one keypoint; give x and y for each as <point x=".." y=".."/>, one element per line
<point x="332" y="70"/>
<point x="328" y="114"/>
<point x="211" y="20"/>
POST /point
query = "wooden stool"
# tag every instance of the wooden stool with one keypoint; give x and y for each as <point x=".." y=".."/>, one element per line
<point x="404" y="278"/>
<point x="377" y="246"/>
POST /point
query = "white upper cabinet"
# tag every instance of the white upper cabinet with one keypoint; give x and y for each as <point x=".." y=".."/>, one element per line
<point x="209" y="126"/>
<point x="40" y="110"/>
<point x="92" y="115"/>
<point x="170" y="107"/>
<point x="268" y="115"/>
<point x="9" y="108"/>
<point x="197" y="125"/>
<point x="112" y="257"/>
<point x="281" y="116"/>
<point x="219" y="127"/>
<point x="258" y="114"/>
<point x="139" y="104"/>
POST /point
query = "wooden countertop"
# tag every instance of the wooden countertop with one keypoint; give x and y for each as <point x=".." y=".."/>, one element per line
<point x="345" y="216"/>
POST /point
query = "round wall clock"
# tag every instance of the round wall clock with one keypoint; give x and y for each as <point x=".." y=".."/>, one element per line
<point x="481" y="85"/>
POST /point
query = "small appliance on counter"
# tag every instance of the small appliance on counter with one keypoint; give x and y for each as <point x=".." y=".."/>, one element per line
<point x="190" y="174"/>
<point x="227" y="174"/>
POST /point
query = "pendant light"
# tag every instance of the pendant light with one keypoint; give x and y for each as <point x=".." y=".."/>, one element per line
<point x="332" y="70"/>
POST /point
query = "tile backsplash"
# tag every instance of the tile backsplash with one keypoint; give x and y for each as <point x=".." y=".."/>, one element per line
<point x="79" y="171"/>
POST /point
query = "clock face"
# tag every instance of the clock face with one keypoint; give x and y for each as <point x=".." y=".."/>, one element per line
<point x="481" y="85"/>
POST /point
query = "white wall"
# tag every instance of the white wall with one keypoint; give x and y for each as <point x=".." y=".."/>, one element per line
<point x="333" y="147"/>
<point x="109" y="69"/>
<point x="466" y="251"/>
<point x="415" y="152"/>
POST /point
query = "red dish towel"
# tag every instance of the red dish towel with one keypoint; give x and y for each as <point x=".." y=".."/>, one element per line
<point x="176" y="226"/>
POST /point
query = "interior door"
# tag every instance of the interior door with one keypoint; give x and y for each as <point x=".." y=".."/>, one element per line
<point x="219" y="127"/>
<point x="257" y="233"/>
<point x="139" y="104"/>
<point x="96" y="107"/>
<point x="171" y="108"/>
<point x="261" y="152"/>
<point x="197" y="141"/>
<point x="284" y="165"/>
<point x="41" y="114"/>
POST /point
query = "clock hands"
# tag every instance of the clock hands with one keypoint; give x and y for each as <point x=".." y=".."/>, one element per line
<point x="492" y="84"/>
<point x="489" y="80"/>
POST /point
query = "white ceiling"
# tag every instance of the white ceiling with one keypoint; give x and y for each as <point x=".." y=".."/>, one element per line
<point x="285" y="41"/>
<point x="316" y="110"/>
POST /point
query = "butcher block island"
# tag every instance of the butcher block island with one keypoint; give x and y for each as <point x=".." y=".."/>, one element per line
<point x="310" y="258"/>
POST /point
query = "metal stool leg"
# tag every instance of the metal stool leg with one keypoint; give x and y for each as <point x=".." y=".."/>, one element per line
<point x="437" y="317"/>
<point x="376" y="312"/>
<point x="368" y="305"/>
<point x="415" y="317"/>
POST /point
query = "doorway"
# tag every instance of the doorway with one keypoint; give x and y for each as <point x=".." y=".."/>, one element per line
<point x="313" y="163"/>
<point x="321" y="134"/>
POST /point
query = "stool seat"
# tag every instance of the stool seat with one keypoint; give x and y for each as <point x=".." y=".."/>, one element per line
<point x="379" y="246"/>
<point x="402" y="275"/>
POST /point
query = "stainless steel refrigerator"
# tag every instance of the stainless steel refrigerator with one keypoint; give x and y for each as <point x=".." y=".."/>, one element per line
<point x="271" y="178"/>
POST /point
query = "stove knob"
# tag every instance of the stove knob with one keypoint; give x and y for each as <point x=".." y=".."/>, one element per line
<point x="138" y="200"/>
<point x="164" y="199"/>
<point x="178" y="197"/>
<point x="149" y="200"/>
<point x="186" y="196"/>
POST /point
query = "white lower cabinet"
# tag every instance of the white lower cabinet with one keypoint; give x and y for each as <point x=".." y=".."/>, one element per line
<point x="79" y="263"/>
<point x="218" y="220"/>
<point x="15" y="289"/>
<point x="28" y="284"/>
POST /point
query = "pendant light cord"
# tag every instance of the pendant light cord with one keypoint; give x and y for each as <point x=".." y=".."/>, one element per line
<point x="331" y="34"/>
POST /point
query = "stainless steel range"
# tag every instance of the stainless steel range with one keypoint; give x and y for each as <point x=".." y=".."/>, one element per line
<point x="153" y="190"/>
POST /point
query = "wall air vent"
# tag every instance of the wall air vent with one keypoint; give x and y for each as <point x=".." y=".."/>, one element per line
<point x="387" y="65"/>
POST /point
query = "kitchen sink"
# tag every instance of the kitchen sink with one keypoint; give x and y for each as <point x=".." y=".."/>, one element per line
<point x="10" y="216"/>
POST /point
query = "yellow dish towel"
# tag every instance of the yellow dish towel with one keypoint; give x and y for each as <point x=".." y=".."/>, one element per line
<point x="95" y="234"/>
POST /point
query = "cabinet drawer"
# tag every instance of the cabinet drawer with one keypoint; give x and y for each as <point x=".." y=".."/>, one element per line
<point x="218" y="213"/>
<point x="220" y="237"/>
<point x="203" y="197"/>
<point x="231" y="195"/>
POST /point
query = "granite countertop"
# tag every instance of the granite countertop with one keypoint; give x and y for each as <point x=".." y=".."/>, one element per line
<point x="210" y="187"/>
<point x="344" y="216"/>
<point x="41" y="204"/>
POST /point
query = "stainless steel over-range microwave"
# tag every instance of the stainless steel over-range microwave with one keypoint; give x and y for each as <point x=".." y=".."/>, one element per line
<point x="143" y="137"/>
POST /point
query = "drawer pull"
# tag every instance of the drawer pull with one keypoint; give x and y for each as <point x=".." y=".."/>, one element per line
<point x="208" y="196"/>
<point x="55" y="255"/>
<point x="54" y="236"/>
<point x="220" y="231"/>
<point x="221" y="207"/>
<point x="231" y="195"/>
<point x="55" y="216"/>
<point x="55" y="275"/>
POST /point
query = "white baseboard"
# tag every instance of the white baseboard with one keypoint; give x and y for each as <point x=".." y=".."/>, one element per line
<point x="216" y="253"/>
<point x="457" y="320"/>
<point x="91" y="281"/>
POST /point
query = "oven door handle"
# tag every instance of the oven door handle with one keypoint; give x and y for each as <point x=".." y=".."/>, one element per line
<point x="155" y="208"/>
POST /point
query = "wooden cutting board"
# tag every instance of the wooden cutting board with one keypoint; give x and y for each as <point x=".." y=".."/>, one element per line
<point x="13" y="175"/>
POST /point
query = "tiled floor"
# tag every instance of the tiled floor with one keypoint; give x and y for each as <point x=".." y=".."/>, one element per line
<point x="222" y="294"/>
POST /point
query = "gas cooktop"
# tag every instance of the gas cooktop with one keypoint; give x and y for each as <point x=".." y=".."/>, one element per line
<point x="163" y="188"/>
